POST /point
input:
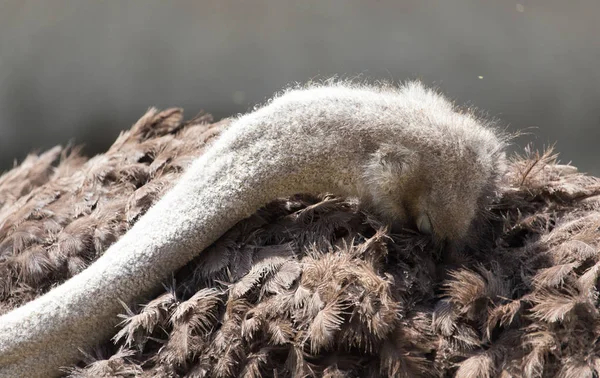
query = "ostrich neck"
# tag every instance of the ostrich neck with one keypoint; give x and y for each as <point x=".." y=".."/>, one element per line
<point x="228" y="183"/>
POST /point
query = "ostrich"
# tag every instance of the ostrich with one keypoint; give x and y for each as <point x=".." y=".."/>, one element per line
<point x="315" y="285"/>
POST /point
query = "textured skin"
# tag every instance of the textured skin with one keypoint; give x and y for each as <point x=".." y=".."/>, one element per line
<point x="406" y="151"/>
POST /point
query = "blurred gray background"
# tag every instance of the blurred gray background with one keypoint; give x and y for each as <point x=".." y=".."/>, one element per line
<point x="84" y="70"/>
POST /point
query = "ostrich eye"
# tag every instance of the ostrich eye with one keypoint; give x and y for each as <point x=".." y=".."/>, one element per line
<point x="424" y="224"/>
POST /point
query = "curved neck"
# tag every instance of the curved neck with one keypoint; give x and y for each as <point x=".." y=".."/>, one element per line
<point x="227" y="184"/>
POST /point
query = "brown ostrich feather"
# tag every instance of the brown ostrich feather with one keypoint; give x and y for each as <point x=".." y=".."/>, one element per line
<point x="316" y="286"/>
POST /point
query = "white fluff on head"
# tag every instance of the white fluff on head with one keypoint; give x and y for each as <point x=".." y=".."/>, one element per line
<point x="407" y="152"/>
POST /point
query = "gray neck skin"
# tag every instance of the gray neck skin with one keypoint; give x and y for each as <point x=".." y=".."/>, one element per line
<point x="245" y="169"/>
<point x="407" y="151"/>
